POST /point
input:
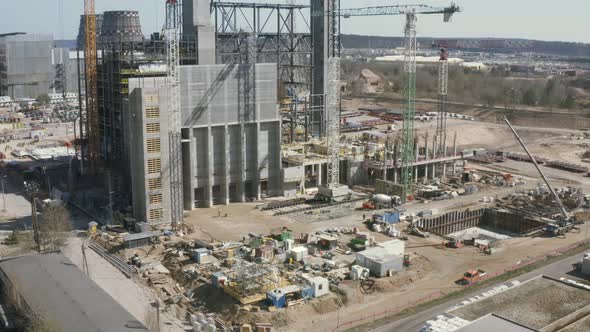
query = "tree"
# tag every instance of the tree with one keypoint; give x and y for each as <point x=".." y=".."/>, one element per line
<point x="529" y="98"/>
<point x="43" y="99"/>
<point x="54" y="227"/>
<point x="569" y="102"/>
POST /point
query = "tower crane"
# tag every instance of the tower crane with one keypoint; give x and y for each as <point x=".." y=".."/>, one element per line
<point x="333" y="14"/>
<point x="90" y="60"/>
<point x="441" y="115"/>
<point x="172" y="33"/>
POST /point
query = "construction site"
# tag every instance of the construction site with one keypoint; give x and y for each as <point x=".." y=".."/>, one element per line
<point x="234" y="183"/>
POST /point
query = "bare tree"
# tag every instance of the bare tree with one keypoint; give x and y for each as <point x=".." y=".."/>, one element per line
<point x="54" y="228"/>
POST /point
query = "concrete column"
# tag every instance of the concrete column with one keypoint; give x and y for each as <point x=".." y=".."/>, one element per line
<point x="415" y="174"/>
<point x="427" y="158"/>
<point x="455" y="153"/>
<point x="385" y="160"/>
<point x="244" y="165"/>
<point x="257" y="174"/>
<point x="193" y="163"/>
<point x="227" y="168"/>
<point x="210" y="166"/>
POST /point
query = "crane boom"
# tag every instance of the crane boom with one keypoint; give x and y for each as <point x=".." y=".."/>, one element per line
<point x="557" y="199"/>
<point x="397" y="10"/>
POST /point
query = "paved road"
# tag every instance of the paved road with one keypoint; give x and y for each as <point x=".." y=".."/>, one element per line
<point x="415" y="322"/>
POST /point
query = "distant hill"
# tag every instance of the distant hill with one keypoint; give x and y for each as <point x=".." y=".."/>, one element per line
<point x="476" y="44"/>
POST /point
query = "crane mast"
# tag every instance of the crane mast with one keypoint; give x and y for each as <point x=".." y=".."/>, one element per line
<point x="172" y="33"/>
<point x="332" y="104"/>
<point x="408" y="156"/>
<point x="441" y="115"/>
<point x="562" y="209"/>
<point x="333" y="94"/>
<point x="90" y="61"/>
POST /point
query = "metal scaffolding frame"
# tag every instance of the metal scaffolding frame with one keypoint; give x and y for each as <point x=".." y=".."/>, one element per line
<point x="277" y="41"/>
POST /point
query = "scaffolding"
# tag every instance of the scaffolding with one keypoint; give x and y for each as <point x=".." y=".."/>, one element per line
<point x="119" y="62"/>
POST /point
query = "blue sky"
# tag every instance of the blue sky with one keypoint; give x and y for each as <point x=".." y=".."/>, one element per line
<point x="565" y="20"/>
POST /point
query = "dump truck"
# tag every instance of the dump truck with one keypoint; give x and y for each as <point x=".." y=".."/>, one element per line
<point x="471" y="277"/>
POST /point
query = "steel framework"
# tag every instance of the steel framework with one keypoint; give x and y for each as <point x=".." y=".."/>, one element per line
<point x="90" y="62"/>
<point x="277" y="40"/>
<point x="173" y="24"/>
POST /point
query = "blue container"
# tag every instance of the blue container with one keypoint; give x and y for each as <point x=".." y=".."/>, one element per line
<point x="307" y="293"/>
<point x="276" y="299"/>
<point x="391" y="217"/>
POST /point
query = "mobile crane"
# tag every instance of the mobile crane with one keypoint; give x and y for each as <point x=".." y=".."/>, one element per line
<point x="565" y="223"/>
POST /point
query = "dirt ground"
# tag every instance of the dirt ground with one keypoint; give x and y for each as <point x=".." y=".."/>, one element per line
<point x="536" y="303"/>
<point x="442" y="266"/>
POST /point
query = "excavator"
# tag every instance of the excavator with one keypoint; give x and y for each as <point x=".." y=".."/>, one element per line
<point x="565" y="223"/>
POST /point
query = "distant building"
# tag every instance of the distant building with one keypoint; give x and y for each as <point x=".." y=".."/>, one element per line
<point x="475" y="66"/>
<point x="26" y="68"/>
<point x="35" y="64"/>
<point x="5" y="101"/>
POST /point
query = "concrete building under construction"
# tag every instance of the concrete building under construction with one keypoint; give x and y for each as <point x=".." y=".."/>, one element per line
<point x="222" y="163"/>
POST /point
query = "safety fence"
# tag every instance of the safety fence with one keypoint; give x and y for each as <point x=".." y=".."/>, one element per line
<point x="438" y="294"/>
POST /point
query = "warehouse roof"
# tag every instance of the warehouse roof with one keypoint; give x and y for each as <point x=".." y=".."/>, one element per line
<point x="493" y="323"/>
<point x="55" y="288"/>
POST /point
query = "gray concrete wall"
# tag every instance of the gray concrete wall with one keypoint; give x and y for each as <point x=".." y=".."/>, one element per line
<point x="213" y="94"/>
<point x="221" y="165"/>
<point x="197" y="25"/>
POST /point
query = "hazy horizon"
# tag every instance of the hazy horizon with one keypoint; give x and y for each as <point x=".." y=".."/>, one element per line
<point x="523" y="19"/>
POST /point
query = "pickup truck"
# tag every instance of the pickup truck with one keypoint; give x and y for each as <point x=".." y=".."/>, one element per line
<point x="472" y="276"/>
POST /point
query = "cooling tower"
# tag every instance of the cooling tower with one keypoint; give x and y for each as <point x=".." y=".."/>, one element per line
<point x="121" y="26"/>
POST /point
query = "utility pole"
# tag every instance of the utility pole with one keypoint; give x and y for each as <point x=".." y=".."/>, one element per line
<point x="32" y="188"/>
<point x="84" y="260"/>
<point x="2" y="177"/>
